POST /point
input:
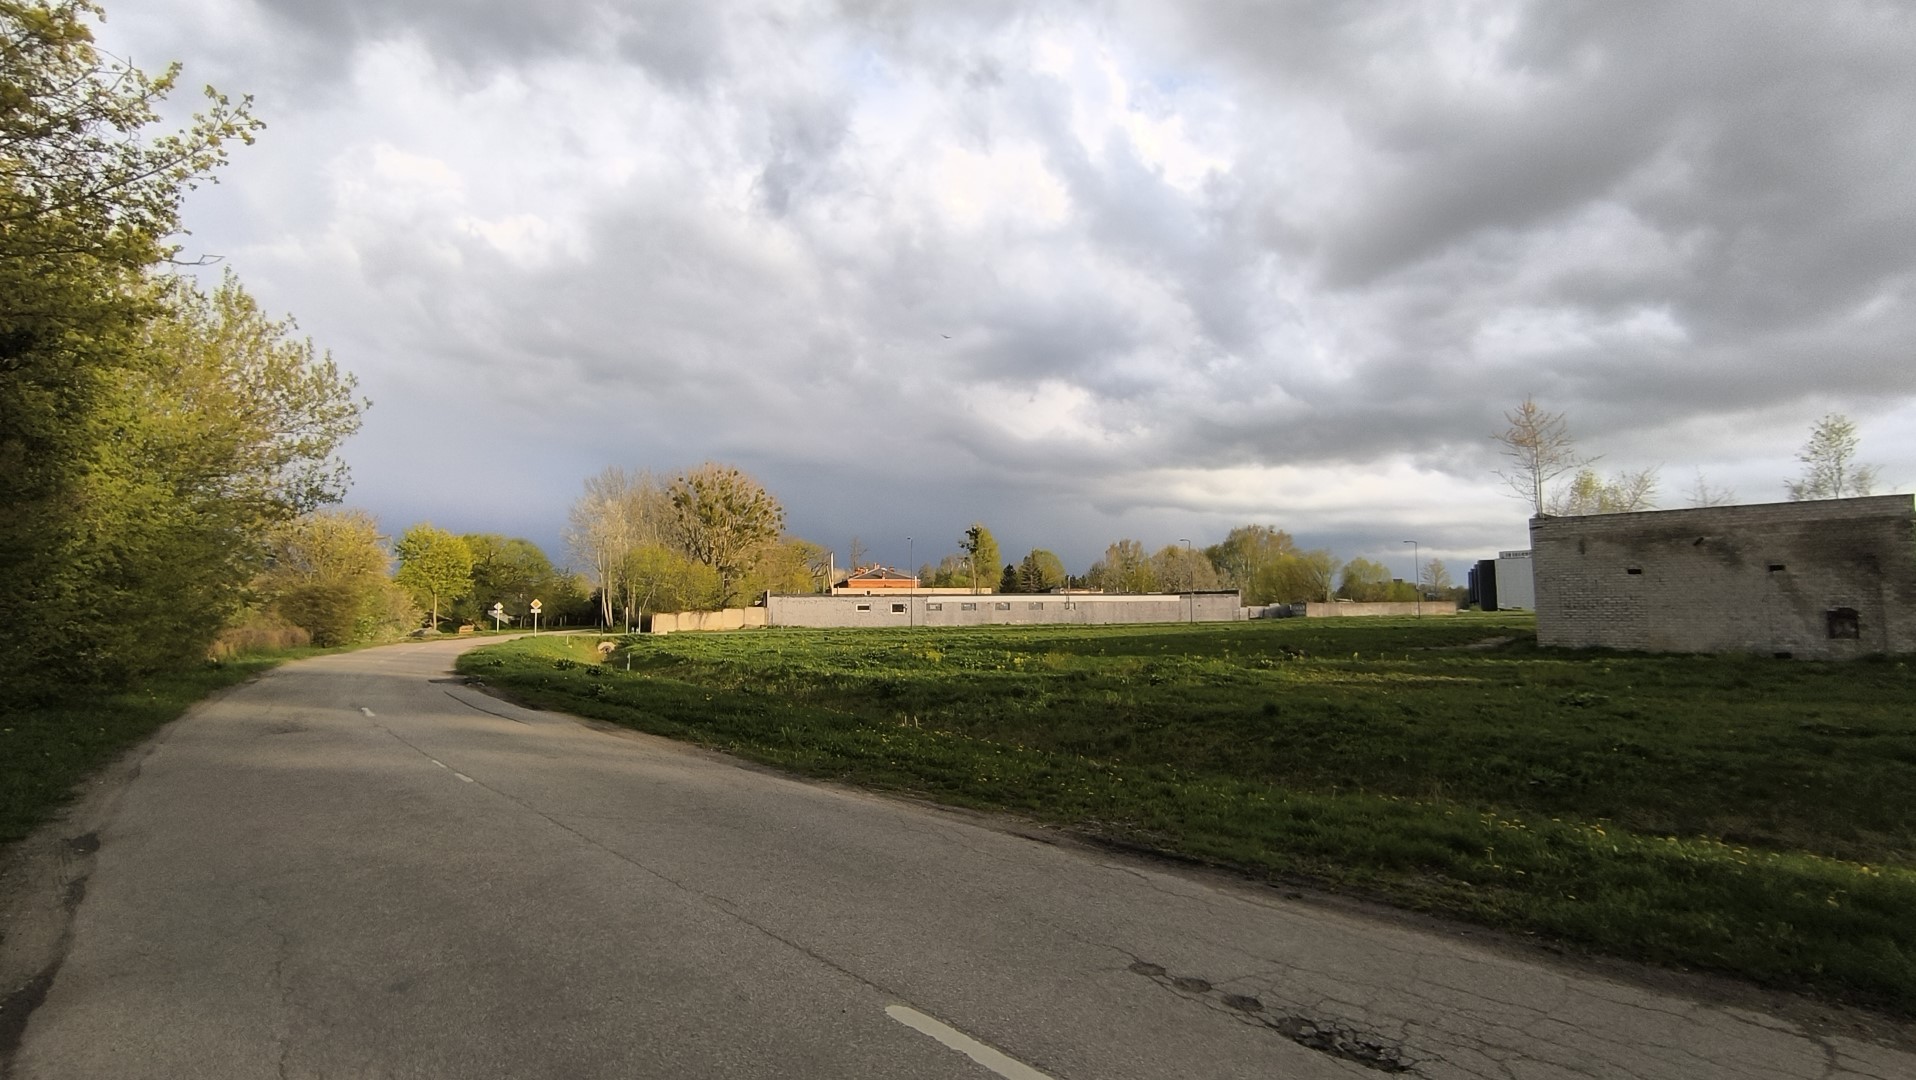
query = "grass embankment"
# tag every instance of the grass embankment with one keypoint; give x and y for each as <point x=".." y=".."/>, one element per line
<point x="1738" y="814"/>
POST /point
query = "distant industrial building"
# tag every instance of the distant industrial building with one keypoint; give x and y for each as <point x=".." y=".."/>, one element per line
<point x="1824" y="579"/>
<point x="1504" y="583"/>
<point x="960" y="608"/>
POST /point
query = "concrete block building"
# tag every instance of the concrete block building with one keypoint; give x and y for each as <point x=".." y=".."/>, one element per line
<point x="1824" y="579"/>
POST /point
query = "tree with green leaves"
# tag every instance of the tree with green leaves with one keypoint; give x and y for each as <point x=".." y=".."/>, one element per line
<point x="1830" y="469"/>
<point x="151" y="434"/>
<point x="724" y="519"/>
<point x="435" y="565"/>
<point x="1040" y="571"/>
<point x="1247" y="550"/>
<point x="509" y="571"/>
<point x="328" y="576"/>
<point x="1591" y="493"/>
<point x="981" y="553"/>
<point x="1367" y="581"/>
<point x="1125" y="568"/>
<point x="1181" y="569"/>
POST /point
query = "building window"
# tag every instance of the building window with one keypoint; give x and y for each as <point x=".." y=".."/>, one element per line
<point x="967" y="607"/>
<point x="1634" y="570"/>
<point x="864" y="607"/>
<point x="1845" y="623"/>
<point x="898" y="609"/>
<point x="1003" y="605"/>
<point x="1036" y="605"/>
<point x="934" y="607"/>
<point x="1776" y="568"/>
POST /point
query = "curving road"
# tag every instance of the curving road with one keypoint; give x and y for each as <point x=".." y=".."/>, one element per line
<point x="358" y="867"/>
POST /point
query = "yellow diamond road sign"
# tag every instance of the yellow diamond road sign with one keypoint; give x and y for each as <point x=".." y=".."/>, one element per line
<point x="535" y="605"/>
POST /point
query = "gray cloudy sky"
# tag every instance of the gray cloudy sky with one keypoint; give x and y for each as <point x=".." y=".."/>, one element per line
<point x="1146" y="268"/>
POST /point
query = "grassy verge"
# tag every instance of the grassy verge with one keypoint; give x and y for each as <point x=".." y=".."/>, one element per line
<point x="1743" y="815"/>
<point x="47" y="748"/>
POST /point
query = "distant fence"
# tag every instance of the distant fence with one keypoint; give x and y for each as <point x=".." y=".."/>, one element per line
<point x="727" y="619"/>
<point x="1352" y="610"/>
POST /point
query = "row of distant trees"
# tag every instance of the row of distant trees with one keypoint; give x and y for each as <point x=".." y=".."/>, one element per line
<point x="1261" y="561"/>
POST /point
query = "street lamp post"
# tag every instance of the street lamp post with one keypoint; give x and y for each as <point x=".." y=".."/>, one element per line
<point x="1416" y="577"/>
<point x="911" y="587"/>
<point x="1190" y="579"/>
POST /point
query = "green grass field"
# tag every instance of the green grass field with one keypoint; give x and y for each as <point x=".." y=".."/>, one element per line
<point x="1743" y="815"/>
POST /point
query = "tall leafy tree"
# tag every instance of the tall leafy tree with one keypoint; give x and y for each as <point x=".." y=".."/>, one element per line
<point x="150" y="435"/>
<point x="1040" y="571"/>
<point x="1830" y="469"/>
<point x="619" y="512"/>
<point x="981" y="554"/>
<point x="724" y="519"/>
<point x="1365" y="580"/>
<point x="1125" y="568"/>
<point x="1182" y="569"/>
<point x="509" y="571"/>
<point x="328" y="576"/>
<point x="1247" y="550"/>
<point x="435" y="565"/>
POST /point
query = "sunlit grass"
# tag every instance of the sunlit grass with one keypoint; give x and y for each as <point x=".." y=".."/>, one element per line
<point x="1741" y="814"/>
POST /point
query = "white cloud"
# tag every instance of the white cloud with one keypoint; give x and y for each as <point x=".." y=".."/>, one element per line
<point x="1117" y="267"/>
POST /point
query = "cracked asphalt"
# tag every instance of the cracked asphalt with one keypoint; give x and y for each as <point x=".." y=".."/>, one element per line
<point x="356" y="867"/>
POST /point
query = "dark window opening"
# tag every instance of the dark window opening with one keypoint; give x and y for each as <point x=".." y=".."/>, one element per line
<point x="898" y="609"/>
<point x="1003" y="605"/>
<point x="1783" y="655"/>
<point x="864" y="607"/>
<point x="1634" y="570"/>
<point x="1776" y="568"/>
<point x="1845" y="623"/>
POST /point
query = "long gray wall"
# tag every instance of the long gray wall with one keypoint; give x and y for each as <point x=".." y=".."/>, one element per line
<point x="1775" y="578"/>
<point x="1016" y="609"/>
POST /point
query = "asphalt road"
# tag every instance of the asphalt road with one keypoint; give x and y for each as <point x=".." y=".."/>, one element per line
<point x="359" y="867"/>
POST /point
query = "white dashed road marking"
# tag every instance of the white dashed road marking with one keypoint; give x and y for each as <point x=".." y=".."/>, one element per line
<point x="1008" y="1067"/>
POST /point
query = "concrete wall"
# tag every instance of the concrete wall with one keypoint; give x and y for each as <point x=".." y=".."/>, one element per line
<point x="1017" y="609"/>
<point x="1352" y="610"/>
<point x="1773" y="578"/>
<point x="727" y="619"/>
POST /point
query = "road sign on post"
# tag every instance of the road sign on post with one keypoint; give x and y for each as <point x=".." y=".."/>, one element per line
<point x="498" y="614"/>
<point x="535" y="616"/>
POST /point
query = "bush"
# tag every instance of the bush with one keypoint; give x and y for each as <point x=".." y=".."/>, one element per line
<point x="262" y="632"/>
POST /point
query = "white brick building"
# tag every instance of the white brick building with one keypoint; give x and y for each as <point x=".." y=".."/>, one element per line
<point x="1826" y="579"/>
